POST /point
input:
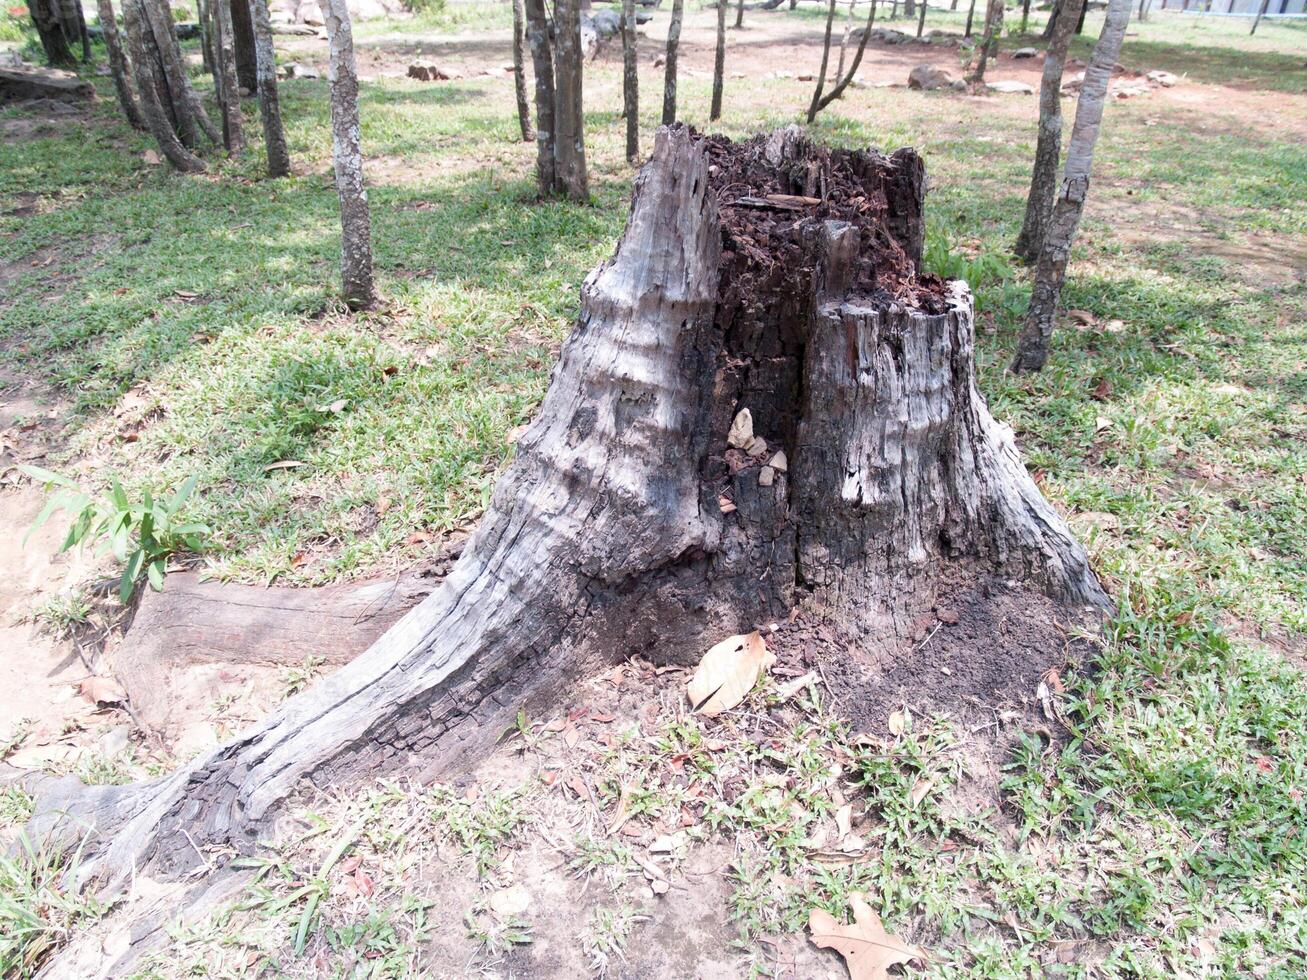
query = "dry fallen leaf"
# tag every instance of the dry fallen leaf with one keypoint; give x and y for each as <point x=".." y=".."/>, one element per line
<point x="511" y="901"/>
<point x="727" y="673"/>
<point x="102" y="690"/>
<point x="868" y="950"/>
<point x="899" y="721"/>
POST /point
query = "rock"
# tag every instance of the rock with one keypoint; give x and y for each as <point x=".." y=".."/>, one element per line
<point x="958" y="85"/>
<point x="116" y="740"/>
<point x="779" y="463"/>
<point x="928" y="78"/>
<point x="757" y="447"/>
<point x="1073" y="83"/>
<point x="1006" y="87"/>
<point x="1128" y="91"/>
<point x="741" y="433"/>
<point x="293" y="69"/>
<point x="1162" y="78"/>
<point x="1026" y="53"/>
<point x="766" y="476"/>
<point x="23" y="84"/>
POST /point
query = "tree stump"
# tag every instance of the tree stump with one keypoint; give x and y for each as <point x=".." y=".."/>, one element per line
<point x="639" y="517"/>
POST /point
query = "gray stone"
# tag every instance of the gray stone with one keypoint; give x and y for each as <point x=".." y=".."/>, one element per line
<point x="929" y="78"/>
<point x="1006" y="87"/>
<point x="1026" y="53"/>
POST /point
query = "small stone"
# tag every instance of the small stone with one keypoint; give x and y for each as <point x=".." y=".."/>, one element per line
<point x="726" y="505"/>
<point x="928" y="78"/>
<point x="741" y="433"/>
<point x="949" y="616"/>
<point x="660" y="887"/>
<point x="958" y="85"/>
<point x="1162" y="78"/>
<point x="757" y="447"/>
<point x="1007" y="87"/>
<point x="116" y="740"/>
<point x="766" y="476"/>
<point x="779" y="463"/>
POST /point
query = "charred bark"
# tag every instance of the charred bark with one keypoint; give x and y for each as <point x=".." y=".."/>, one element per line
<point x="519" y="73"/>
<point x="1050" y="270"/>
<point x="669" y="70"/>
<point x="628" y="521"/>
<point x="347" y="159"/>
<point x="630" y="82"/>
<point x="1048" y="147"/>
<point x="274" y="133"/>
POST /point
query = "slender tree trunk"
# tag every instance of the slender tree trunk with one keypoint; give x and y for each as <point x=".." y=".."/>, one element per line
<point x="1050" y="271"/>
<point x="844" y="39"/>
<point x="233" y="125"/>
<point x="1048" y="149"/>
<point x="244" y="46"/>
<point x="921" y="19"/>
<point x="542" y="60"/>
<point x="669" y="69"/>
<point x="1025" y="15"/>
<point x="719" y="63"/>
<point x="993" y="24"/>
<point x="347" y="155"/>
<point x="1051" y="26"/>
<point x="206" y="35"/>
<point x="630" y="82"/>
<point x="150" y="81"/>
<point x="182" y="103"/>
<point x="609" y="532"/>
<point x="953" y="6"/>
<point x="1261" y="12"/>
<point x="519" y="73"/>
<point x="825" y="59"/>
<point x="848" y="77"/>
<point x="909" y="8"/>
<point x="739" y="13"/>
<point x="569" y="120"/>
<point x="1080" y="23"/>
<point x="47" y="18"/>
<point x="83" y="34"/>
<point x="118" y="66"/>
<point x="971" y="13"/>
<point x="274" y="134"/>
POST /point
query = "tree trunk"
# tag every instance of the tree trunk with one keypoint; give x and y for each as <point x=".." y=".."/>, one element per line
<point x="1080" y="22"/>
<point x="519" y="73"/>
<point x="178" y="96"/>
<point x="233" y="124"/>
<point x="630" y="82"/>
<point x="627" y="524"/>
<point x="1048" y="148"/>
<point x="570" y="177"/>
<point x="274" y="134"/>
<point x="118" y="66"/>
<point x="1051" y="26"/>
<point x="921" y="19"/>
<point x="542" y="61"/>
<point x="719" y="64"/>
<point x="1025" y="15"/>
<point x="47" y="18"/>
<point x="347" y="156"/>
<point x="848" y="77"/>
<point x="244" y="46"/>
<point x="739" y="12"/>
<point x="844" y="39"/>
<point x="206" y="36"/>
<point x="993" y="25"/>
<point x="971" y="13"/>
<point x="83" y="35"/>
<point x="825" y="60"/>
<point x="150" y="83"/>
<point x="910" y="8"/>
<point x="1050" y="271"/>
<point x="1261" y="12"/>
<point x="669" y="70"/>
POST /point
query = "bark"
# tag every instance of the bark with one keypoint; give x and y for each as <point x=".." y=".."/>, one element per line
<point x="118" y="66"/>
<point x="630" y="82"/>
<point x="206" y="38"/>
<point x="1048" y="147"/>
<point x="1050" y="271"/>
<point x="47" y="18"/>
<point x="570" y="176"/>
<point x="519" y="73"/>
<point x="1261" y="12"/>
<point x="844" y="40"/>
<point x="1025" y="15"/>
<point x="606" y="536"/>
<point x="921" y="18"/>
<point x="739" y="12"/>
<point x="1080" y="23"/>
<point x="347" y="156"/>
<point x="845" y="80"/>
<point x="274" y="134"/>
<point x="669" y="70"/>
<point x="244" y="45"/>
<point x="910" y="8"/>
<point x="719" y="64"/>
<point x="233" y="125"/>
<point x="79" y="19"/>
<point x="150" y="81"/>
<point x="825" y="60"/>
<point x="1051" y="26"/>
<point x="542" y="60"/>
<point x="177" y="95"/>
<point x="971" y="13"/>
<point x="993" y="25"/>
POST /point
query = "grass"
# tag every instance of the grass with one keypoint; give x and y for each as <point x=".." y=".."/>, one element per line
<point x="195" y="324"/>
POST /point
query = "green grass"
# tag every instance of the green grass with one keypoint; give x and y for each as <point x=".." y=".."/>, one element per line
<point x="1161" y="834"/>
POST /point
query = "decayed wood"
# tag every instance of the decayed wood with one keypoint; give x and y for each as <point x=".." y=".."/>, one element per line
<point x="607" y="535"/>
<point x="1048" y="147"/>
<point x="274" y="133"/>
<point x="669" y="69"/>
<point x="347" y="157"/>
<point x="1050" y="270"/>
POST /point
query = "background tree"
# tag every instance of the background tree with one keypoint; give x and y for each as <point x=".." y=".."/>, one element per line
<point x="719" y="63"/>
<point x="228" y="86"/>
<point x="825" y="60"/>
<point x="1261" y="12"/>
<point x="519" y="72"/>
<point x="542" y="61"/>
<point x="347" y="155"/>
<point x="118" y="66"/>
<point x="739" y="12"/>
<point x="820" y="101"/>
<point x="48" y="19"/>
<point x="921" y="19"/>
<point x="630" y="82"/>
<point x="274" y="134"/>
<point x="569" y="142"/>
<point x="1050" y="270"/>
<point x="1048" y="147"/>
<point x="669" y="69"/>
<point x="993" y="25"/>
<point x="971" y="14"/>
<point x="244" y="45"/>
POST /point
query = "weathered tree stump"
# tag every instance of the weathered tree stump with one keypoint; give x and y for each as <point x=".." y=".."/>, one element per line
<point x="774" y="276"/>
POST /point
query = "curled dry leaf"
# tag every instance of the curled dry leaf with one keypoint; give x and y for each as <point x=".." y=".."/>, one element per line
<point x="102" y="690"/>
<point x="868" y="950"/>
<point x="728" y="672"/>
<point x="899" y="722"/>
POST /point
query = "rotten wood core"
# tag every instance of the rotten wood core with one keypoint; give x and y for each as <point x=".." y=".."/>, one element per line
<point x="631" y="523"/>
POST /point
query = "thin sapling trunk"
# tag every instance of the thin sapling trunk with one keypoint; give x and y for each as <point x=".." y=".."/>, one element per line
<point x="630" y="82"/>
<point x="274" y="133"/>
<point x="719" y="64"/>
<point x="519" y="73"/>
<point x="669" y="69"/>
